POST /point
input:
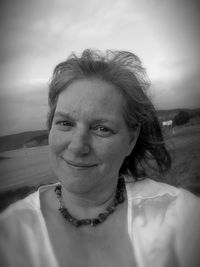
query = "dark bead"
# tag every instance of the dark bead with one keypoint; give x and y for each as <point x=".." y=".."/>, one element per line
<point x="106" y="213"/>
<point x="94" y="222"/>
<point x="76" y="223"/>
<point x="63" y="211"/>
<point x="118" y="193"/>
<point x="87" y="221"/>
<point x="103" y="216"/>
<point x="111" y="209"/>
<point x="81" y="222"/>
<point x="115" y="202"/>
<point x="58" y="187"/>
<point x="68" y="216"/>
<point x="121" y="200"/>
<point x="58" y="190"/>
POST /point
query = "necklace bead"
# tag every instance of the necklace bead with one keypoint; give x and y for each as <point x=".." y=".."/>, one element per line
<point x="119" y="198"/>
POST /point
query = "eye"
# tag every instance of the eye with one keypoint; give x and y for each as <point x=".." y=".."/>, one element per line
<point x="102" y="130"/>
<point x="64" y="125"/>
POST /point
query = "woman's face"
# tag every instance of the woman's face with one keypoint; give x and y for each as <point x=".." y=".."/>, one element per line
<point x="89" y="139"/>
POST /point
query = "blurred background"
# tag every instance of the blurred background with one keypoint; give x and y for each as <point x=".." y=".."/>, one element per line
<point x="37" y="35"/>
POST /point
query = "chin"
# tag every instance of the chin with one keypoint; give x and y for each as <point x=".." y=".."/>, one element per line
<point x="77" y="181"/>
<point x="78" y="186"/>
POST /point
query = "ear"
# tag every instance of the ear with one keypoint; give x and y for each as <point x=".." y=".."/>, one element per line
<point x="133" y="139"/>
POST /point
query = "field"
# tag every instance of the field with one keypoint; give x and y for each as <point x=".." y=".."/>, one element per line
<point x="23" y="170"/>
<point x="184" y="146"/>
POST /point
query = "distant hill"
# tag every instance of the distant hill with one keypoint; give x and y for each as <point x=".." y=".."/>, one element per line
<point x="39" y="138"/>
<point x="25" y="139"/>
<point x="171" y="113"/>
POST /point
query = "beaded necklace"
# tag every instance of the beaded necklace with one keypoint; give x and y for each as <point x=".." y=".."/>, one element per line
<point x="119" y="198"/>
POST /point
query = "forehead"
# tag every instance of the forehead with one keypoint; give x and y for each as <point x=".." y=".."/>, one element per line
<point x="91" y="96"/>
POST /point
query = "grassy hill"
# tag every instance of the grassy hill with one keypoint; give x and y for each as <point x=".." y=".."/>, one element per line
<point x="165" y="115"/>
<point x="25" y="139"/>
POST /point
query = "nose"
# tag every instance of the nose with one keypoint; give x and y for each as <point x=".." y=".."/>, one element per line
<point x="79" y="143"/>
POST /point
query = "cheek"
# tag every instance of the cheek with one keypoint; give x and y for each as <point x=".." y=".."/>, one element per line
<point x="55" y="142"/>
<point x="114" y="152"/>
<point x="55" y="149"/>
<point x="52" y="141"/>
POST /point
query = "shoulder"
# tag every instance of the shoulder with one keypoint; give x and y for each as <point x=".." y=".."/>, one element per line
<point x="21" y="219"/>
<point x="22" y="211"/>
<point x="168" y="215"/>
<point x="30" y="202"/>
<point x="16" y="224"/>
<point x="23" y="230"/>
<point x="18" y="214"/>
<point x="151" y="192"/>
<point x="148" y="188"/>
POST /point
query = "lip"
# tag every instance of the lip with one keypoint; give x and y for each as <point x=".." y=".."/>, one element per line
<point x="80" y="164"/>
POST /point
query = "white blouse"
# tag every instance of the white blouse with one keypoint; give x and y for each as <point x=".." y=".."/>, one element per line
<point x="163" y="225"/>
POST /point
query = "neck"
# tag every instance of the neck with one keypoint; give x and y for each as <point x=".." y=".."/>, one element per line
<point x="85" y="205"/>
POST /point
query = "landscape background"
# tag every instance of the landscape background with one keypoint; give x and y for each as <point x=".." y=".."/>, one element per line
<point x="36" y="36"/>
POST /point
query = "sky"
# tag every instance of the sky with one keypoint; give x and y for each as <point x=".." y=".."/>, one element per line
<point x="36" y="35"/>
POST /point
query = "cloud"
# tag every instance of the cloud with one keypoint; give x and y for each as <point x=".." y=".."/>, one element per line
<point x="183" y="92"/>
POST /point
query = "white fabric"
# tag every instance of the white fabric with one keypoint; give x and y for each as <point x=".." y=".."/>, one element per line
<point x="163" y="225"/>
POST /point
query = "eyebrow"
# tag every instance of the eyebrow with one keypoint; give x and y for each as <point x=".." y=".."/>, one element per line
<point x="62" y="114"/>
<point x="97" y="120"/>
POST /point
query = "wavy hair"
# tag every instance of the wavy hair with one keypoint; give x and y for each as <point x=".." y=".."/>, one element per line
<point x="125" y="71"/>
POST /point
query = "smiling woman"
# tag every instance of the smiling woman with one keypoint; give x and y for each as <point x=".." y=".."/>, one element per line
<point x="91" y="134"/>
<point x="106" y="210"/>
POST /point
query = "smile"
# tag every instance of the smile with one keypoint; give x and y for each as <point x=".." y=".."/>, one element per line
<point x="80" y="164"/>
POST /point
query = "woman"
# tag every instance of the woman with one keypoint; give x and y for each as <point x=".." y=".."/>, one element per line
<point x="105" y="144"/>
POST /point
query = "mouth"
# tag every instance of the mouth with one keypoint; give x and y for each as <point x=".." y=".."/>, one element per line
<point x="80" y="164"/>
